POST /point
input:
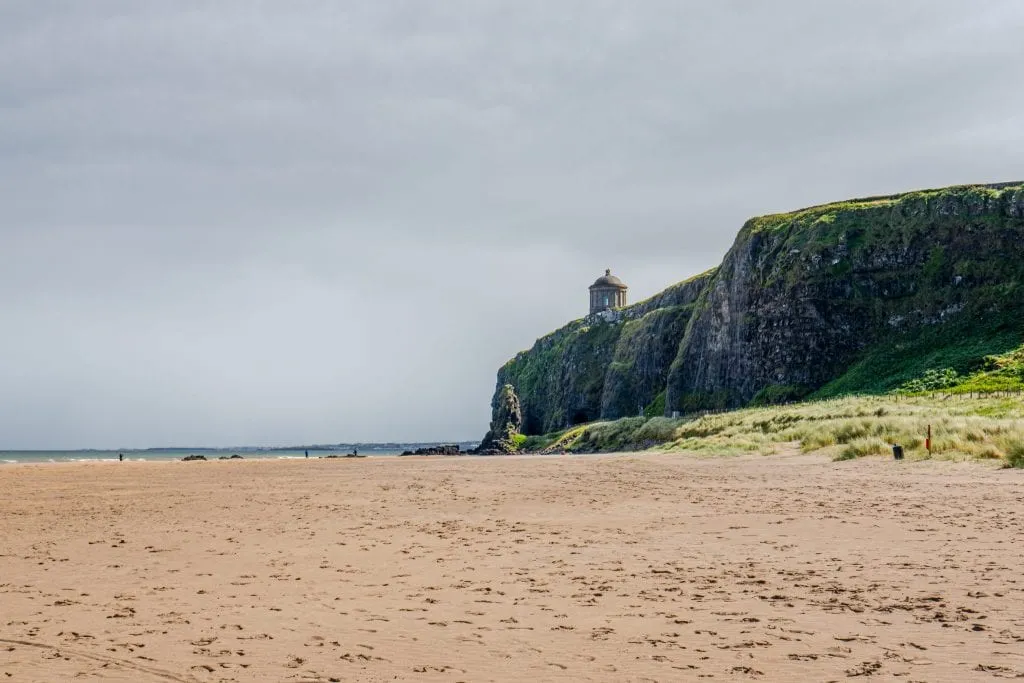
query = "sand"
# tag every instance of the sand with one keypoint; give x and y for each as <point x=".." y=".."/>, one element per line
<point x="604" y="568"/>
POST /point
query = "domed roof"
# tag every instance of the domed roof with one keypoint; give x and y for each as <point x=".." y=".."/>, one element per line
<point x="609" y="280"/>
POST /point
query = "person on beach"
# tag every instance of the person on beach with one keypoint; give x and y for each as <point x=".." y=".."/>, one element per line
<point x="120" y="457"/>
<point x="307" y="454"/>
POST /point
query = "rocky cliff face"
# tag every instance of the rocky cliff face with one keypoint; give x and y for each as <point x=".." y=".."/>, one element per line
<point x="854" y="296"/>
<point x="593" y="368"/>
<point x="802" y="298"/>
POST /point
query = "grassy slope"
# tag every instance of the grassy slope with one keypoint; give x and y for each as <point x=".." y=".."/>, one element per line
<point x="956" y="358"/>
<point x="962" y="427"/>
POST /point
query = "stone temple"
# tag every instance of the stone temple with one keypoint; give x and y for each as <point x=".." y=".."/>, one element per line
<point x="608" y="292"/>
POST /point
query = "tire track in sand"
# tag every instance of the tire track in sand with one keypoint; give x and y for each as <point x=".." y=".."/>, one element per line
<point x="128" y="664"/>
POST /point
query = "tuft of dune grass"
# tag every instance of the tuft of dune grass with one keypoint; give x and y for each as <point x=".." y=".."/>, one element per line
<point x="1013" y="449"/>
<point x="858" y="448"/>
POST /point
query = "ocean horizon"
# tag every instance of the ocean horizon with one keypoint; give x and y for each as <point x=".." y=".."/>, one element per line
<point x="14" y="457"/>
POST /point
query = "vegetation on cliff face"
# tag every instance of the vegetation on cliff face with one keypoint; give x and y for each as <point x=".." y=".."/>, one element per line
<point x="639" y="367"/>
<point x="910" y="292"/>
<point x="561" y="378"/>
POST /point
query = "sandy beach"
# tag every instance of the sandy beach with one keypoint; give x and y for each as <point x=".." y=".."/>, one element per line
<point x="594" y="568"/>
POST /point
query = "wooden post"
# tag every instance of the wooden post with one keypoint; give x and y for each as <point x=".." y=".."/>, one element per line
<point x="928" y="441"/>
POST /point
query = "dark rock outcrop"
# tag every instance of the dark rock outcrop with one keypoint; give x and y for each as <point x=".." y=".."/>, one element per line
<point x="189" y="458"/>
<point x="506" y="424"/>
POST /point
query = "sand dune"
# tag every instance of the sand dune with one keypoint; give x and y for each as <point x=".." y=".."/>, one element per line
<point x="604" y="568"/>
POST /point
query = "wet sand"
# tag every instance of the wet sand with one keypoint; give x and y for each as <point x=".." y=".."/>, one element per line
<point x="603" y="568"/>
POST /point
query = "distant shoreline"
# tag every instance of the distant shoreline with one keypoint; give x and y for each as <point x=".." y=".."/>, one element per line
<point x="97" y="462"/>
<point x="10" y="457"/>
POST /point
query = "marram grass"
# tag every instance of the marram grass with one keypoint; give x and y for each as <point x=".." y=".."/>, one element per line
<point x="851" y="427"/>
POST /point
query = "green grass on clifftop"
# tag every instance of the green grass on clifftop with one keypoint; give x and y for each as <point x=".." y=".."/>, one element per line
<point x="850" y="210"/>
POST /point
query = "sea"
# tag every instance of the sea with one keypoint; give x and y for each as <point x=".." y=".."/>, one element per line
<point x="247" y="452"/>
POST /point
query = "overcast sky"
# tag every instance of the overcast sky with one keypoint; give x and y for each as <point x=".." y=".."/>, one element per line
<point x="255" y="222"/>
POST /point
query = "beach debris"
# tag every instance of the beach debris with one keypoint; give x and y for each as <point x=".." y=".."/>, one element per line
<point x="443" y="449"/>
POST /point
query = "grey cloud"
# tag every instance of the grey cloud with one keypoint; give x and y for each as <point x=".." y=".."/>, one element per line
<point x="273" y="222"/>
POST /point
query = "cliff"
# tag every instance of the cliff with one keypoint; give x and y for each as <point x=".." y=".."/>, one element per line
<point x="593" y="368"/>
<point x="858" y="296"/>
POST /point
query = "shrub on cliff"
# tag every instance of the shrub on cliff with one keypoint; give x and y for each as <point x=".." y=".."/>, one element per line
<point x="932" y="380"/>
